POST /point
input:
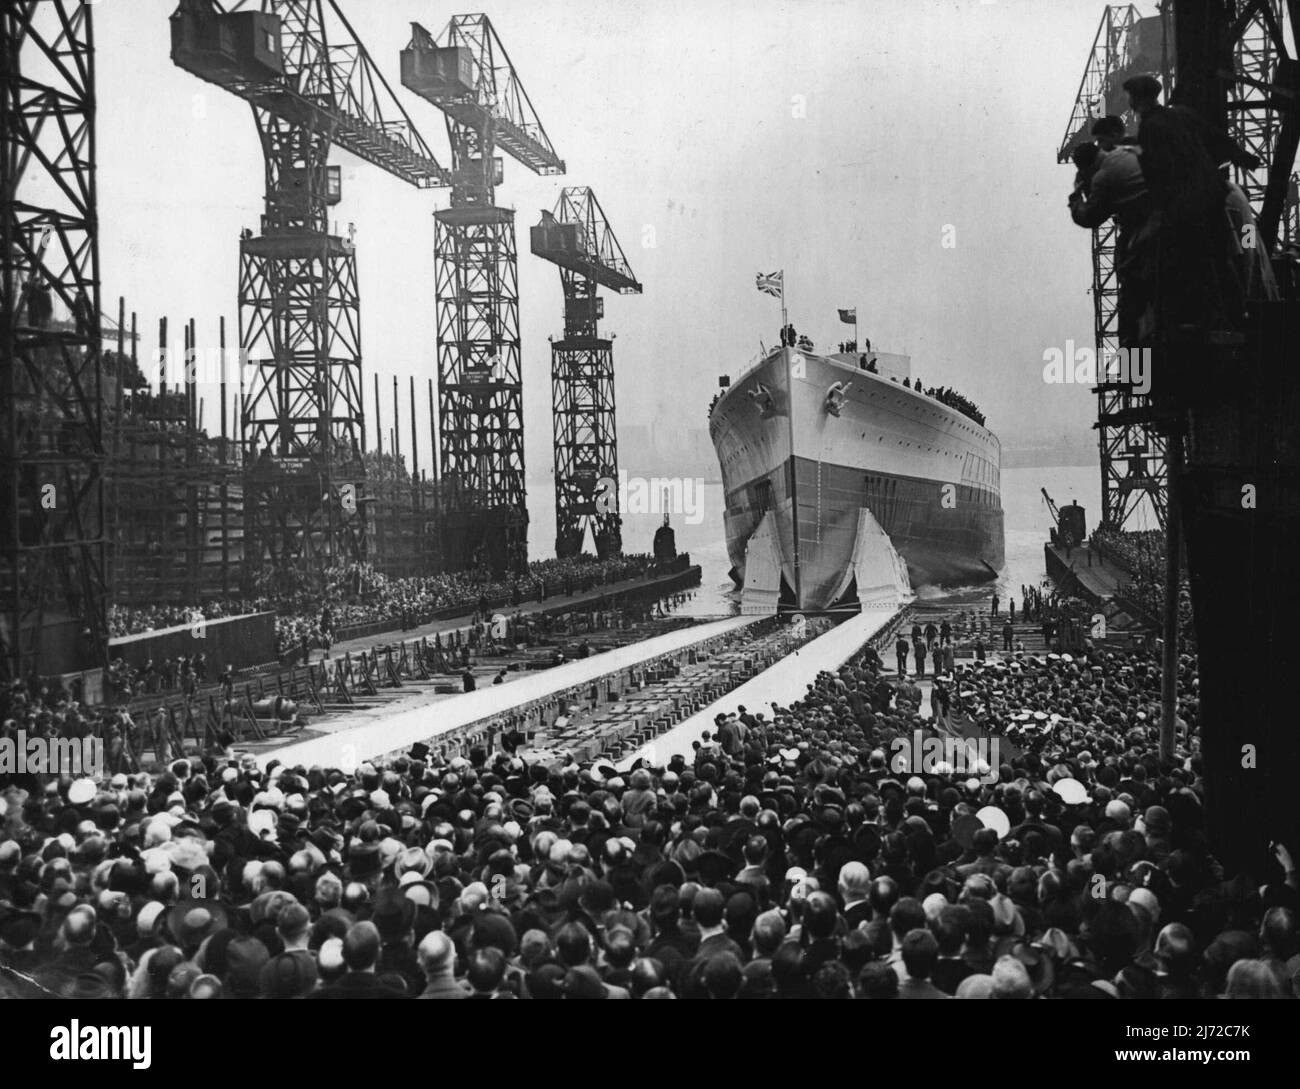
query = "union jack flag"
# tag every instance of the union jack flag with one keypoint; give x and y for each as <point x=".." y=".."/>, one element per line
<point x="771" y="283"/>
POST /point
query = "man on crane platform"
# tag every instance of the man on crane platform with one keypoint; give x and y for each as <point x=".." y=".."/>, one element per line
<point x="1110" y="183"/>
<point x="1180" y="151"/>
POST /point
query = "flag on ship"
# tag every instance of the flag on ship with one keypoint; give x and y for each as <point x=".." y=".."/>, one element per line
<point x="771" y="283"/>
<point x="850" y="316"/>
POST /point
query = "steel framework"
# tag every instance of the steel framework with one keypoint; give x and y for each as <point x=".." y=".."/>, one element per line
<point x="578" y="239"/>
<point x="310" y="84"/>
<point x="52" y="448"/>
<point x="1134" y="474"/>
<point x="467" y="74"/>
<point x="1262" y="61"/>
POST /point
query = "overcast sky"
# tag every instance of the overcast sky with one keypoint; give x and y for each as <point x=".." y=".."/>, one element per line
<point x="835" y="140"/>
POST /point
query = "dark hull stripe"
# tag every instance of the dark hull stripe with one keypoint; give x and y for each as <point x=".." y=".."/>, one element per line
<point x="946" y="534"/>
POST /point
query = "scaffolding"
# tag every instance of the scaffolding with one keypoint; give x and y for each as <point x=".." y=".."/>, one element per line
<point x="1134" y="473"/>
<point x="52" y="580"/>
<point x="176" y="495"/>
<point x="578" y="239"/>
<point x="468" y="75"/>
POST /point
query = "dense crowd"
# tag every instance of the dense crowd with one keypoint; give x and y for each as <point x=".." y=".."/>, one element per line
<point x="1142" y="553"/>
<point x="794" y="857"/>
<point x="952" y="399"/>
<point x="359" y="594"/>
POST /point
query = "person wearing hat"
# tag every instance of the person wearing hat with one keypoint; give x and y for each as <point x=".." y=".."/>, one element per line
<point x="1180" y="151"/>
<point x="288" y="976"/>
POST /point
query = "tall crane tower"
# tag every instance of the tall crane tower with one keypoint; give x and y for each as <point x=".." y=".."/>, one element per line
<point x="1261" y="86"/>
<point x="1133" y="466"/>
<point x="467" y="74"/>
<point x="578" y="239"/>
<point x="52" y="545"/>
<point x="311" y="84"/>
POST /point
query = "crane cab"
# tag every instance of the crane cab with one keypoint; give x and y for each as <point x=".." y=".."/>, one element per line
<point x="298" y="185"/>
<point x="553" y="237"/>
<point x="439" y="74"/>
<point x="226" y="47"/>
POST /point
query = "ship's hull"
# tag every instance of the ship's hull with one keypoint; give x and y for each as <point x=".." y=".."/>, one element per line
<point x="928" y="474"/>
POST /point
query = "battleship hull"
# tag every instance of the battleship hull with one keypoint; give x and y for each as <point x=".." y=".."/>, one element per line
<point x="815" y="440"/>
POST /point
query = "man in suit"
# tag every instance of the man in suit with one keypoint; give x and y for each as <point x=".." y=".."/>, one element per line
<point x="855" y="885"/>
<point x="361" y="948"/>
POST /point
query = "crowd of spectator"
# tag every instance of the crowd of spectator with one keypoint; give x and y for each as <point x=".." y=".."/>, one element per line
<point x="1142" y="554"/>
<point x="359" y="594"/>
<point x="951" y="398"/>
<point x="793" y="857"/>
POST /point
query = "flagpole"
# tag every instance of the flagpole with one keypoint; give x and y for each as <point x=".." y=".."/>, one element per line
<point x="784" y="321"/>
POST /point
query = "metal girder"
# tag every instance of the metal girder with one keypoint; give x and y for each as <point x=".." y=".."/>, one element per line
<point x="301" y="61"/>
<point x="1132" y="452"/>
<point x="52" y="579"/>
<point x="311" y="84"/>
<point x="467" y="74"/>
<point x="578" y="239"/>
<point x="1262" y="113"/>
<point x="480" y="385"/>
<point x="577" y="236"/>
<point x="586" y="447"/>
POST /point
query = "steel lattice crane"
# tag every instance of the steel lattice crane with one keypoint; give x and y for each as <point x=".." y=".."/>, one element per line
<point x="1133" y="452"/>
<point x="1133" y="466"/>
<point x="311" y="85"/>
<point x="52" y="556"/>
<point x="578" y="239"/>
<point x="467" y="74"/>
<point x="1263" y="83"/>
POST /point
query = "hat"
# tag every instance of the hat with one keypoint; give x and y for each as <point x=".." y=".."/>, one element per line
<point x="193" y="920"/>
<point x="1157" y="819"/>
<point x="393" y="913"/>
<point x="81" y="791"/>
<point x="19" y="928"/>
<point x="1143" y="86"/>
<point x="245" y="958"/>
<point x="495" y="930"/>
<point x="1070" y="791"/>
<point x="993" y="817"/>
<point x="412" y="859"/>
<point x="289" y="975"/>
<point x="363" y="859"/>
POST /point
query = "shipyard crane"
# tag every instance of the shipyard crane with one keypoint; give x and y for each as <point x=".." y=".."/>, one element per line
<point x="53" y="594"/>
<point x="311" y="84"/>
<point x="1133" y="465"/>
<point x="1260" y="83"/>
<point x="1069" y="527"/>
<point x="1261" y="114"/>
<point x="466" y="73"/>
<point x="577" y="238"/>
